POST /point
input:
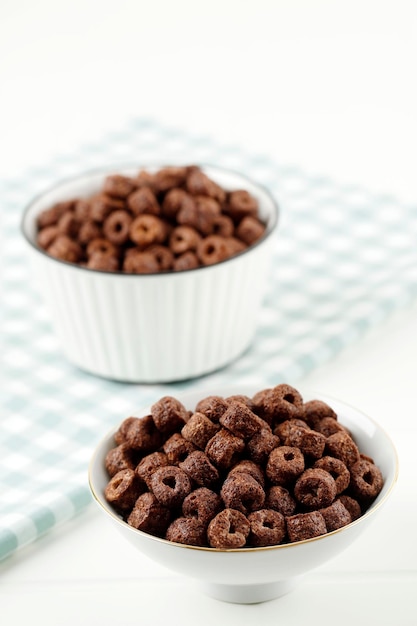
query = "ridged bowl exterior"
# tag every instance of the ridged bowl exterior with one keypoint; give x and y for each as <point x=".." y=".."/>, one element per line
<point x="160" y="327"/>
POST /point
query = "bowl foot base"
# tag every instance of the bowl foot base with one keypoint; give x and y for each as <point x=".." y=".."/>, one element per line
<point x="249" y="594"/>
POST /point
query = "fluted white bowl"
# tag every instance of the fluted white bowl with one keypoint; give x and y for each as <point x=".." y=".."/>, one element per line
<point x="153" y="327"/>
<point x="249" y="575"/>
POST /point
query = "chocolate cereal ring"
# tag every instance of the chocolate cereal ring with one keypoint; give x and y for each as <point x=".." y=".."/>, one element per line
<point x="261" y="445"/>
<point x="242" y="399"/>
<point x="119" y="458"/>
<point x="250" y="229"/>
<point x="311" y="443"/>
<point x="118" y="185"/>
<point x="102" y="205"/>
<point x="104" y="262"/>
<point x="336" y="516"/>
<point x="163" y="256"/>
<point x="188" y="216"/>
<point x="199" y="430"/>
<point x="177" y="448"/>
<point x="241" y="204"/>
<point x="138" y="262"/>
<point x="234" y="245"/>
<point x="212" y="407"/>
<point x="278" y="404"/>
<point x="285" y="430"/>
<point x="82" y="210"/>
<point x="249" y="467"/>
<point x="267" y="528"/>
<point x="366" y="480"/>
<point x="212" y="249"/>
<point x="366" y="457"/>
<point x="315" y="488"/>
<point x="187" y="530"/>
<point x="123" y="489"/>
<point x="69" y="225"/>
<point x="149" y="515"/>
<point x="199" y="184"/>
<point x="207" y="211"/>
<point x="177" y="200"/>
<point x="241" y="421"/>
<point x="50" y="217"/>
<point x="329" y="426"/>
<point x="280" y="499"/>
<point x="186" y="261"/>
<point x="222" y="225"/>
<point x="305" y="526"/>
<point x="89" y="230"/>
<point x="184" y="239"/>
<point x="198" y="467"/>
<point x="242" y="492"/>
<point x="102" y="245"/>
<point x="202" y="504"/>
<point x="143" y="201"/>
<point x="65" y="249"/>
<point x="351" y="505"/>
<point x="170" y="177"/>
<point x="139" y="433"/>
<point x="169" y="414"/>
<point x="337" y="469"/>
<point x="170" y="485"/>
<point x="342" y="446"/>
<point x="224" y="449"/>
<point x="47" y="236"/>
<point x="228" y="530"/>
<point x="284" y="465"/>
<point x="149" y="464"/>
<point x="116" y="227"/>
<point x="147" y="229"/>
<point x="315" y="411"/>
<point x="145" y="179"/>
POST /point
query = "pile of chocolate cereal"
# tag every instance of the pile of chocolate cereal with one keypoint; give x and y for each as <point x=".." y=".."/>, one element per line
<point x="176" y="218"/>
<point x="239" y="471"/>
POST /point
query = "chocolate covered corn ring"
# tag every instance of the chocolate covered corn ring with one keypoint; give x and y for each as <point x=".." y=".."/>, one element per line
<point x="149" y="515"/>
<point x="187" y="530"/>
<point x="170" y="485"/>
<point x="123" y="489"/>
<point x="199" y="468"/>
<point x="228" y="530"/>
<point x="305" y="526"/>
<point x="202" y="503"/>
<point x="242" y="492"/>
<point x="315" y="488"/>
<point x="267" y="528"/>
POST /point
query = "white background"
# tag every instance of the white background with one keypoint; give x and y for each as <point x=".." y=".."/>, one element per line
<point x="328" y="86"/>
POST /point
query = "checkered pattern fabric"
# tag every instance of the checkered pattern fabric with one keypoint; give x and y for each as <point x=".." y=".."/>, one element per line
<point x="344" y="259"/>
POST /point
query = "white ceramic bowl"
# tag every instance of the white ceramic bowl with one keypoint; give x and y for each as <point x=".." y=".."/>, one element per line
<point x="249" y="575"/>
<point x="154" y="327"/>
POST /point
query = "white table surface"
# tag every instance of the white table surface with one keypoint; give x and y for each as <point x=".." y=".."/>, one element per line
<point x="328" y="86"/>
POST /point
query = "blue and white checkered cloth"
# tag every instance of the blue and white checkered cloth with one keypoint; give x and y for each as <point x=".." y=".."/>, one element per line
<point x="344" y="260"/>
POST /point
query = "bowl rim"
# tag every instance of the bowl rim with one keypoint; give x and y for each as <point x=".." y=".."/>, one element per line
<point x="368" y="513"/>
<point x="118" y="169"/>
